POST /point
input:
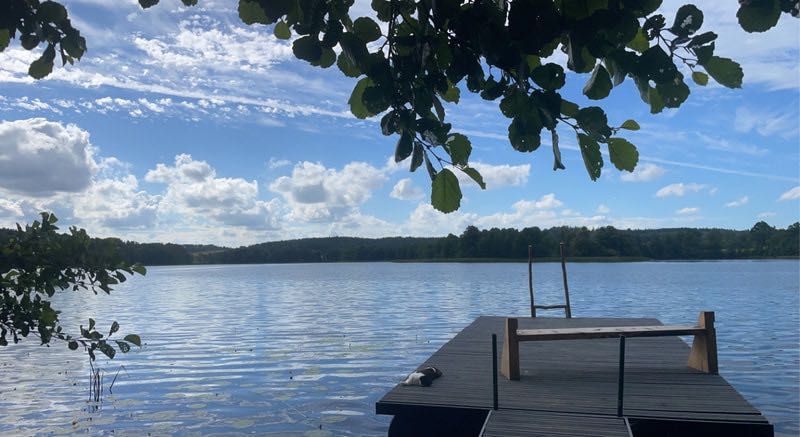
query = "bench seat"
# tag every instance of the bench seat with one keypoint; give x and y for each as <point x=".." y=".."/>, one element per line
<point x="607" y="332"/>
<point x="703" y="355"/>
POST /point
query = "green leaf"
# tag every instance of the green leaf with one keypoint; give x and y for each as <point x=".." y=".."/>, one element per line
<point x="366" y="29"/>
<point x="445" y="192"/>
<point x="327" y="58"/>
<point x="673" y="93"/>
<point x="557" y="164"/>
<point x="655" y="100"/>
<point x="307" y="48"/>
<point x="592" y="158"/>
<point x="250" y="12"/>
<point x="29" y="41"/>
<point x="452" y="95"/>
<point x="282" y="30"/>
<point x="594" y="121"/>
<point x="524" y="133"/>
<point x="106" y="349"/>
<point x="431" y="171"/>
<point x="725" y="71"/>
<point x="459" y="148"/>
<point x="355" y="49"/>
<point x="568" y="108"/>
<point x="688" y="20"/>
<point x="356" y="101"/>
<point x="405" y="145"/>
<point x="549" y="76"/>
<point x="416" y="156"/>
<point x="114" y="328"/>
<point x="599" y="85"/>
<point x="758" y="15"/>
<point x="74" y="44"/>
<point x="91" y="324"/>
<point x="50" y="11"/>
<point x="437" y="105"/>
<point x="140" y="269"/>
<point x="148" y="3"/>
<point x="133" y="338"/>
<point x="40" y="68"/>
<point x="623" y="154"/>
<point x="123" y="346"/>
<point x="348" y="68"/>
<point x="702" y="39"/>
<point x="639" y="42"/>
<point x="630" y="125"/>
<point x="5" y="39"/>
<point x="704" y="53"/>
<point x="475" y="175"/>
<point x="700" y="78"/>
<point x="72" y="345"/>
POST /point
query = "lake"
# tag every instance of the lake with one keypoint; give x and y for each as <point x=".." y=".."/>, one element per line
<point x="307" y="349"/>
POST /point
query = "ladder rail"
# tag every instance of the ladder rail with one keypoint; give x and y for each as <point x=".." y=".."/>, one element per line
<point x="567" y="307"/>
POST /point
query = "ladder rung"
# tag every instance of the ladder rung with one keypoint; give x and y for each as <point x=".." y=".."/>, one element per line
<point x="549" y="307"/>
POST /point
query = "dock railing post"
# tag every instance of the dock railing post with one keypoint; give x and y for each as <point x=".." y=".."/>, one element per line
<point x="621" y="379"/>
<point x="494" y="371"/>
<point x="530" y="279"/>
<point x="568" y="309"/>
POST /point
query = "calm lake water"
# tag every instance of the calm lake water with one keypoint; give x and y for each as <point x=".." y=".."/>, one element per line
<point x="308" y="349"/>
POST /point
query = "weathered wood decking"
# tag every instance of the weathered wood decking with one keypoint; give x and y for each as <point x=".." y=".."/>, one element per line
<point x="572" y="385"/>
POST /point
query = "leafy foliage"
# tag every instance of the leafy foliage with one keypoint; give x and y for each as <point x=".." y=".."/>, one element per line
<point x="36" y="263"/>
<point x="431" y="50"/>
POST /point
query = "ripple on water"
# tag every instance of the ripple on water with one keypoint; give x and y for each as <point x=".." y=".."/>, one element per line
<point x="308" y="349"/>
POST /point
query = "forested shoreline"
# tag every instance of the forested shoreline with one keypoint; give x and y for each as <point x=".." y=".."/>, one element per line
<point x="600" y="244"/>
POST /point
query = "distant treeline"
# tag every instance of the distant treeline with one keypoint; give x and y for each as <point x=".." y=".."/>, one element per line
<point x="761" y="241"/>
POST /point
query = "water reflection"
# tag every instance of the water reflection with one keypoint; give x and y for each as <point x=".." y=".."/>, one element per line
<point x="308" y="349"/>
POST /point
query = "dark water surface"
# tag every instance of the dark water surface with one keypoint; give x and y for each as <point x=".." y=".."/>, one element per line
<point x="308" y="349"/>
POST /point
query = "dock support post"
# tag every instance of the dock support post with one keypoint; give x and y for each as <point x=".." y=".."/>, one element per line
<point x="509" y="365"/>
<point x="530" y="279"/>
<point x="703" y="356"/>
<point x="621" y="379"/>
<point x="568" y="309"/>
<point x="494" y="371"/>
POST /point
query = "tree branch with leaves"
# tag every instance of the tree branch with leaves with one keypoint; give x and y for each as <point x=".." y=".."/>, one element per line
<point x="36" y="263"/>
<point x="499" y="49"/>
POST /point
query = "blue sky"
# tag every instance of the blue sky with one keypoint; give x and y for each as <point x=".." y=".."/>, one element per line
<point x="182" y="124"/>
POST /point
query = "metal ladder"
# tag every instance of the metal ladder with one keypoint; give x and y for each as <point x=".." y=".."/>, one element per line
<point x="566" y="306"/>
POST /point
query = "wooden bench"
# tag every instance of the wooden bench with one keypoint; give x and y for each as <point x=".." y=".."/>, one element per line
<point x="703" y="355"/>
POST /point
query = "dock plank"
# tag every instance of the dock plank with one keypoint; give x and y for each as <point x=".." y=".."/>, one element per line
<point x="577" y="377"/>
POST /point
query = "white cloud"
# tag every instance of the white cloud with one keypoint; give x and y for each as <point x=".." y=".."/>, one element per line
<point x="738" y="202"/>
<point x="498" y="176"/>
<point x="405" y="189"/>
<point x="116" y="204"/>
<point x="603" y="209"/>
<point x="680" y="189"/>
<point x="725" y="145"/>
<point x="687" y="211"/>
<point x="10" y="208"/>
<point x="766" y="214"/>
<point x="194" y="191"/>
<point x="317" y="193"/>
<point x="644" y="172"/>
<point x="792" y="194"/>
<point x="768" y="123"/>
<point x="274" y="163"/>
<point x="40" y="157"/>
<point x="548" y="201"/>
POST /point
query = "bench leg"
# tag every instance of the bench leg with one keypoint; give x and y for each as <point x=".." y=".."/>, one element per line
<point x="703" y="356"/>
<point x="509" y="363"/>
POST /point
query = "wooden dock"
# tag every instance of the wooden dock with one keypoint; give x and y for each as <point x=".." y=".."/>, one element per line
<point x="570" y="388"/>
